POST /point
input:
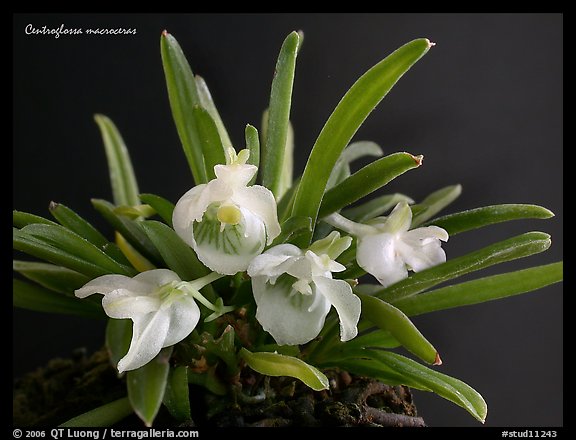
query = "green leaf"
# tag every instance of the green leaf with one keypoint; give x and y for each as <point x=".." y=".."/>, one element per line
<point x="129" y="229"/>
<point x="63" y="247"/>
<point x="448" y="387"/>
<point x="136" y="259"/>
<point x="279" y="114"/>
<point x="69" y="219"/>
<point x="207" y="102"/>
<point x="224" y="349"/>
<point x="274" y="364"/>
<point x="122" y="178"/>
<point x="367" y="180"/>
<point x="118" y="338"/>
<point x="147" y="384"/>
<point x="163" y="207"/>
<point x="253" y="145"/>
<point x="375" y="207"/>
<point x="33" y="297"/>
<point x="513" y="248"/>
<point x="177" y="255"/>
<point x="286" y="202"/>
<point x="293" y="227"/>
<point x="176" y="397"/>
<point x="482" y="290"/>
<point x="21" y="219"/>
<point x="183" y="97"/>
<point x="103" y="416"/>
<point x="56" y="278"/>
<point x="434" y="203"/>
<point x="347" y="117"/>
<point x="212" y="149"/>
<point x="389" y="318"/>
<point x="377" y="338"/>
<point x="489" y="215"/>
<point x="352" y="152"/>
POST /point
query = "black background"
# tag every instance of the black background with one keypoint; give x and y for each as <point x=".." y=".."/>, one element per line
<point x="484" y="107"/>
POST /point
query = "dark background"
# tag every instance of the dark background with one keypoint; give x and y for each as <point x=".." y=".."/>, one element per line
<point x="484" y="107"/>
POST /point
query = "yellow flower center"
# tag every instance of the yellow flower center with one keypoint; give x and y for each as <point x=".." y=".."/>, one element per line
<point x="229" y="214"/>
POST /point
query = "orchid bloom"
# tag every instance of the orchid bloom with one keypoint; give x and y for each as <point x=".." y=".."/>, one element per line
<point x="161" y="306"/>
<point x="294" y="291"/>
<point x="225" y="221"/>
<point x="388" y="249"/>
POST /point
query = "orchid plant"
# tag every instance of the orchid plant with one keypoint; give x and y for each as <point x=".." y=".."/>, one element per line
<point x="252" y="268"/>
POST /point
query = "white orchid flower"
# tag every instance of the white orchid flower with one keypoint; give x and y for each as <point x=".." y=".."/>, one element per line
<point x="226" y="222"/>
<point x="161" y="306"/>
<point x="388" y="249"/>
<point x="294" y="291"/>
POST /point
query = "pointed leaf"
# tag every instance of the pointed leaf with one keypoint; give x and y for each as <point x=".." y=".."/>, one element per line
<point x="122" y="177"/>
<point x="347" y="117"/>
<point x="163" y="207"/>
<point x="147" y="384"/>
<point x="433" y="204"/>
<point x="56" y="278"/>
<point x="212" y="149"/>
<point x="21" y="219"/>
<point x="482" y="290"/>
<point x="69" y="219"/>
<point x="118" y="337"/>
<point x="103" y="416"/>
<point x="511" y="249"/>
<point x="253" y="145"/>
<point x="367" y="180"/>
<point x="207" y="102"/>
<point x="279" y="114"/>
<point x="183" y="97"/>
<point x="274" y="364"/>
<point x="176" y="397"/>
<point x="489" y="215"/>
<point x="37" y="298"/>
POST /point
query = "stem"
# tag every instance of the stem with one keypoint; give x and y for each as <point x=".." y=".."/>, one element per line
<point x="353" y="228"/>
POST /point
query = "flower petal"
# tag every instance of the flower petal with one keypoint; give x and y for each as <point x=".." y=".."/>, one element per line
<point x="157" y="277"/>
<point x="148" y="336"/>
<point x="190" y="208"/>
<point x="422" y="257"/>
<point x="106" y="284"/>
<point x="235" y="175"/>
<point x="260" y="201"/>
<point x="269" y="263"/>
<point x="339" y="294"/>
<point x="399" y="219"/>
<point x="121" y="304"/>
<point x="184" y="315"/>
<point x="289" y="316"/>
<point x="377" y="255"/>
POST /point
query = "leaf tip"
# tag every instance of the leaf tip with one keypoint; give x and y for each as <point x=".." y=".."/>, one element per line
<point x="53" y="205"/>
<point x="165" y="33"/>
<point x="437" y="360"/>
<point x="430" y="43"/>
<point x="418" y="159"/>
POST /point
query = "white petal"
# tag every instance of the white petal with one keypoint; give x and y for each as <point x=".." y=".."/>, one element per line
<point x="120" y="304"/>
<point x="191" y="207"/>
<point x="106" y="284"/>
<point x="148" y="336"/>
<point x="290" y="317"/>
<point x="235" y="175"/>
<point x="261" y="202"/>
<point x="270" y="262"/>
<point x="422" y="257"/>
<point x="399" y="219"/>
<point x="377" y="255"/>
<point x="339" y="294"/>
<point x="425" y="234"/>
<point x="157" y="277"/>
<point x="184" y="316"/>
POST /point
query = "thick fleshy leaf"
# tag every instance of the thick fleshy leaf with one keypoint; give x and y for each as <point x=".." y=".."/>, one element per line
<point x="21" y="219"/>
<point x="273" y="150"/>
<point x="367" y="180"/>
<point x="122" y="177"/>
<point x="177" y="255"/>
<point x="147" y="385"/>
<point x="69" y="219"/>
<point x="61" y="246"/>
<point x="56" y="278"/>
<point x="176" y="397"/>
<point x="212" y="148"/>
<point x="273" y="364"/>
<point x="130" y="230"/>
<point x="434" y="203"/>
<point x="163" y="207"/>
<point x="513" y="248"/>
<point x="118" y="336"/>
<point x="207" y="102"/>
<point x="347" y="117"/>
<point x="37" y="298"/>
<point x="352" y="152"/>
<point x="253" y="146"/>
<point x="103" y="416"/>
<point x="389" y="318"/>
<point x="482" y="290"/>
<point x="489" y="215"/>
<point x="375" y="207"/>
<point x="183" y="97"/>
